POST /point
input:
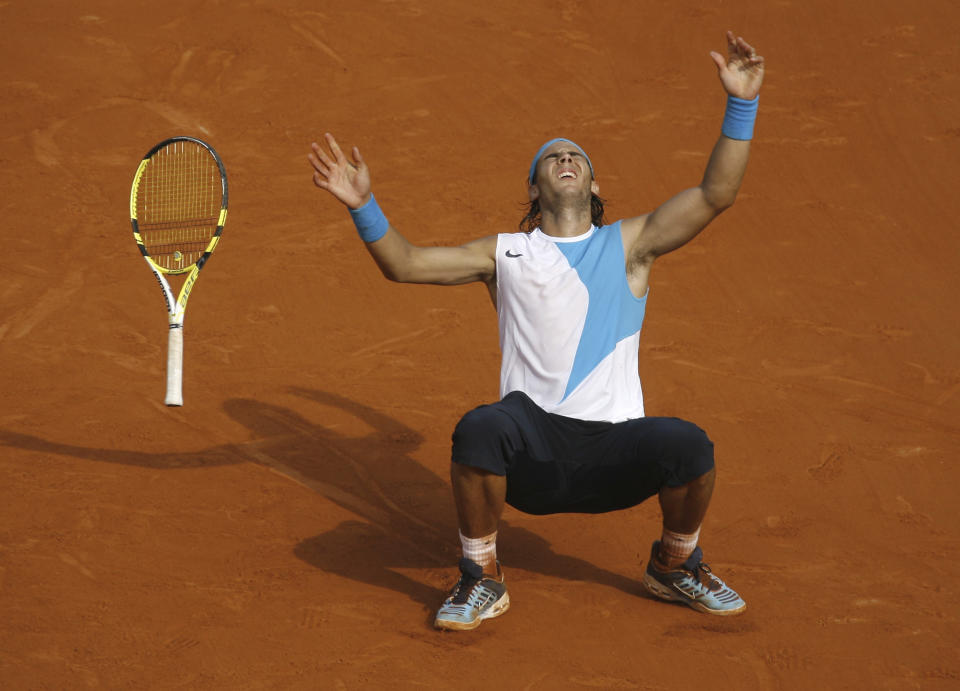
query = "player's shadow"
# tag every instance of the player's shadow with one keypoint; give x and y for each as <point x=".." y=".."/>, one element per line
<point x="405" y="519"/>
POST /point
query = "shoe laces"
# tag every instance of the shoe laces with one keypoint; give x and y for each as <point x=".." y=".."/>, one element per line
<point x="469" y="579"/>
<point x="463" y="589"/>
<point x="704" y="576"/>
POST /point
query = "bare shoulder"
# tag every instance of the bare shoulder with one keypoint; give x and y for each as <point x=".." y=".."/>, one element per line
<point x="486" y="246"/>
<point x="483" y="252"/>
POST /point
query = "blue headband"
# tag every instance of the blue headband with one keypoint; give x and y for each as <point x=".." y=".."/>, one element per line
<point x="536" y="159"/>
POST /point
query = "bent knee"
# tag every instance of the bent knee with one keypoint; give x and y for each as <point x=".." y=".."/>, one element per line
<point x="480" y="424"/>
<point x="687" y="452"/>
<point x="485" y="438"/>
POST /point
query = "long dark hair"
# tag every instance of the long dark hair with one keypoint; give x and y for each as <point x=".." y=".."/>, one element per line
<point x="531" y="221"/>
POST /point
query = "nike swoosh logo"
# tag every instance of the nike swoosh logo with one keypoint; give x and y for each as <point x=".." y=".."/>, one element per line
<point x="512" y="256"/>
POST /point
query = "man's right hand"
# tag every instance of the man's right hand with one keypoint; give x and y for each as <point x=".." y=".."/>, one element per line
<point x="347" y="181"/>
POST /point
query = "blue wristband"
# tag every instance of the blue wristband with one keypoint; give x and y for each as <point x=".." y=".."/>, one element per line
<point x="370" y="221"/>
<point x="739" y="118"/>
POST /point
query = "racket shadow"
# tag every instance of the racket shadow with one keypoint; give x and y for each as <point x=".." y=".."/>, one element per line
<point x="211" y="457"/>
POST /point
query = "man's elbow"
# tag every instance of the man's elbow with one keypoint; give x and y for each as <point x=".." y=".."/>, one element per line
<point x="392" y="270"/>
<point x="396" y="274"/>
<point x="720" y="199"/>
<point x="722" y="205"/>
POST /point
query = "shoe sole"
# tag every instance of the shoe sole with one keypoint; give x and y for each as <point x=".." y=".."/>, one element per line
<point x="662" y="592"/>
<point x="501" y="606"/>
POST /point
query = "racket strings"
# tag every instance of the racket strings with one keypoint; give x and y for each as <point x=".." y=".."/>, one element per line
<point x="178" y="204"/>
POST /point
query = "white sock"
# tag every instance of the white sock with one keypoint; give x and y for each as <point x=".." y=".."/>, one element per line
<point x="482" y="550"/>
<point x="676" y="547"/>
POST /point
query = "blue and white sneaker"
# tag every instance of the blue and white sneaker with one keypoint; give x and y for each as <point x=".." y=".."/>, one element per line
<point x="474" y="598"/>
<point x="693" y="584"/>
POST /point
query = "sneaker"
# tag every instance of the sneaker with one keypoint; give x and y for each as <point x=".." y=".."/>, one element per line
<point x="474" y="598"/>
<point x="692" y="583"/>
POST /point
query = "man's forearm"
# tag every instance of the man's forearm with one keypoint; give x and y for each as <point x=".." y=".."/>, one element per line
<point x="725" y="171"/>
<point x="728" y="162"/>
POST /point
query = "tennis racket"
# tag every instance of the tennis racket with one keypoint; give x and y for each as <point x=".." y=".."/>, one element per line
<point x="178" y="205"/>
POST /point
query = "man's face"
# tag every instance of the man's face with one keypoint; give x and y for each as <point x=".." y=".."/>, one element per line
<point x="563" y="172"/>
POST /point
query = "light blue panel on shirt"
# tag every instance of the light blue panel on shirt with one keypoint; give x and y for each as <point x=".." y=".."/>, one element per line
<point x="613" y="313"/>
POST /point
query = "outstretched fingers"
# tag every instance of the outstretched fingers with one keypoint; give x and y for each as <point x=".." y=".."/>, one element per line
<point x="731" y="44"/>
<point x="348" y="181"/>
<point x="326" y="164"/>
<point x="745" y="48"/>
<point x="321" y="156"/>
<point x="316" y="158"/>
<point x="335" y="148"/>
<point x="321" y="166"/>
<point x="742" y="52"/>
<point x="741" y="71"/>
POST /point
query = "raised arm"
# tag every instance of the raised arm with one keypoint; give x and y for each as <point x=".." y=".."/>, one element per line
<point x="679" y="220"/>
<point x="399" y="260"/>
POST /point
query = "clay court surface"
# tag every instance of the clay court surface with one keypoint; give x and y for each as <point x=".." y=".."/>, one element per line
<point x="291" y="527"/>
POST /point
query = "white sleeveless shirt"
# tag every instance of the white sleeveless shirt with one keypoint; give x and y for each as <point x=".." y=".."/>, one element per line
<point x="569" y="324"/>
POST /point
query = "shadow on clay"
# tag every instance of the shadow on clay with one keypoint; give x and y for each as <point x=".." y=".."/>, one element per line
<point x="407" y="517"/>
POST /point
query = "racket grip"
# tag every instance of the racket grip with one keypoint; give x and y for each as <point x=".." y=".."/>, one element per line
<point x="175" y="367"/>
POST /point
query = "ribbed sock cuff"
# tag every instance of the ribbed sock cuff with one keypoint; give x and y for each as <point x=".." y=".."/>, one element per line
<point x="676" y="547"/>
<point x="482" y="550"/>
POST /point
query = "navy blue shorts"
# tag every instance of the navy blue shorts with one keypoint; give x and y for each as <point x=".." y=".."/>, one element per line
<point x="557" y="464"/>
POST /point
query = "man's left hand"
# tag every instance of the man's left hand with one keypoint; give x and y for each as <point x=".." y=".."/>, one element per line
<point x="741" y="72"/>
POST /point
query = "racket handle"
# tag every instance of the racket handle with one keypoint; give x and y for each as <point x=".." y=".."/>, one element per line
<point x="175" y="367"/>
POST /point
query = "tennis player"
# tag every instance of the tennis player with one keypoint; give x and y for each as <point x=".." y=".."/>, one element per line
<point x="569" y="433"/>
